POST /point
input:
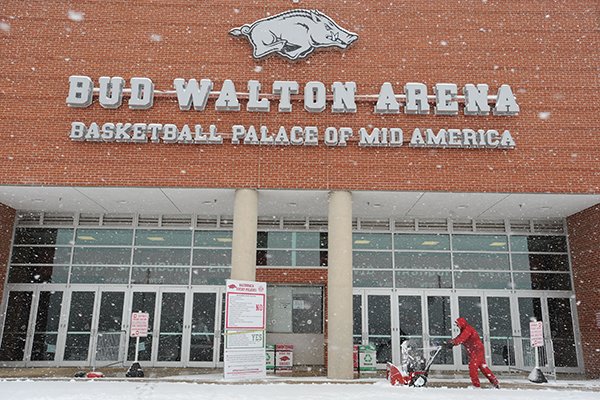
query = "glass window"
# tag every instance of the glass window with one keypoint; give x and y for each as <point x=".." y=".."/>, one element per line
<point x="371" y="278"/>
<point x="481" y="261"/>
<point x="480" y="242"/>
<point x="210" y="276"/>
<point x="212" y="257"/>
<point x="371" y="241"/>
<point x="41" y="255"/>
<point x="14" y="336"/>
<point x="43" y="236"/>
<point x="540" y="262"/>
<point x="412" y="260"/>
<point x="213" y="238"/>
<point x="160" y="276"/>
<point x="541" y="281"/>
<point x="274" y="240"/>
<point x="102" y="255"/>
<point x="38" y="274"/>
<point x="482" y="280"/>
<point x="423" y="279"/>
<point x="161" y="256"/>
<point x="91" y="274"/>
<point x="104" y="237"/>
<point x="405" y="241"/>
<point x="372" y="259"/>
<point x="310" y="240"/>
<point x="163" y="238"/>
<point x="540" y="244"/>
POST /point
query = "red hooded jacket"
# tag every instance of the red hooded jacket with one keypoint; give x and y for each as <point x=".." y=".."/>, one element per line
<point x="470" y="338"/>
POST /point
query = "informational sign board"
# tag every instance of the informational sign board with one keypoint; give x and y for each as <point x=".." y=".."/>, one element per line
<point x="139" y="324"/>
<point x="536" y="332"/>
<point x="365" y="358"/>
<point x="245" y="305"/>
<point x="284" y="357"/>
<point x="245" y="321"/>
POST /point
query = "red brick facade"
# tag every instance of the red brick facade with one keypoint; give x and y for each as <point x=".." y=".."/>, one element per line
<point x="584" y="235"/>
<point x="543" y="50"/>
<point x="7" y="220"/>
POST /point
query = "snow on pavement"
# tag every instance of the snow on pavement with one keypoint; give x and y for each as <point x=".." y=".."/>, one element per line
<point x="148" y="390"/>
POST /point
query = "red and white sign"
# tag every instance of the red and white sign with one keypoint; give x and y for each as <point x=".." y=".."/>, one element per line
<point x="245" y="305"/>
<point x="139" y="324"/>
<point x="536" y="331"/>
<point x="284" y="357"/>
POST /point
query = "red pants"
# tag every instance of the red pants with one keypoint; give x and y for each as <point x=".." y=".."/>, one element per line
<point x="479" y="364"/>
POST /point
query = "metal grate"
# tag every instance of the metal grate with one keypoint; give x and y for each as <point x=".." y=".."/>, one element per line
<point x="432" y="224"/>
<point x="148" y="220"/>
<point x="176" y="220"/>
<point x="89" y="219"/>
<point x="268" y="222"/>
<point x="295" y="224"/>
<point x="226" y="222"/>
<point x="520" y="225"/>
<point x="29" y="219"/>
<point x="204" y="222"/>
<point x="462" y="226"/>
<point x="319" y="224"/>
<point x="548" y="227"/>
<point x="117" y="219"/>
<point x="490" y="226"/>
<point x="405" y="225"/>
<point x="375" y="224"/>
<point x="61" y="219"/>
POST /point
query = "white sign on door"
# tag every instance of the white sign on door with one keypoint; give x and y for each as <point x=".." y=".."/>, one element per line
<point x="536" y="330"/>
<point x="139" y="324"/>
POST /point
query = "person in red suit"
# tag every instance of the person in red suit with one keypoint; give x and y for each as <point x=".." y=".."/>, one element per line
<point x="470" y="339"/>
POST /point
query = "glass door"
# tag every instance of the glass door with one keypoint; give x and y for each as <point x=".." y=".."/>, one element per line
<point x="438" y="326"/>
<point x="203" y="340"/>
<point x="470" y="307"/>
<point x="16" y="325"/>
<point x="500" y="331"/>
<point x="143" y="301"/>
<point x="379" y="325"/>
<point x="108" y="343"/>
<point x="79" y="327"/>
<point x="171" y="314"/>
<point x="46" y="325"/>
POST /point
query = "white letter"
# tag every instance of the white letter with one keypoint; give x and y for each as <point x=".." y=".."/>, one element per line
<point x="416" y="99"/>
<point x="386" y="102"/>
<point x="80" y="91"/>
<point x="444" y="99"/>
<point x="284" y="89"/>
<point x="142" y="94"/>
<point x="77" y="131"/>
<point x="476" y="99"/>
<point x="314" y="97"/>
<point x="254" y="104"/>
<point x="192" y="94"/>
<point x="227" y="100"/>
<point x="111" y="91"/>
<point x="343" y="97"/>
<point x="506" y="104"/>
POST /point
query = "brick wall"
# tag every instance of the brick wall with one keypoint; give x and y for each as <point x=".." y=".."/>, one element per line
<point x="543" y="49"/>
<point x="7" y="219"/>
<point x="584" y="236"/>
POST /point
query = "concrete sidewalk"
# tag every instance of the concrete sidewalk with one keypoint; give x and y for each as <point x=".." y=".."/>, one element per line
<point x="215" y="376"/>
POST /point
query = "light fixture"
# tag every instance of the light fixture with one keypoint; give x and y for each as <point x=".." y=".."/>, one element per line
<point x="156" y="238"/>
<point x="545" y="208"/>
<point x="37" y="200"/>
<point x="362" y="241"/>
<point x="292" y="204"/>
<point x="224" y="239"/>
<point x="86" y="238"/>
<point x="498" y="244"/>
<point x="207" y="202"/>
<point x="462" y="206"/>
<point x="122" y="201"/>
<point x="429" y="243"/>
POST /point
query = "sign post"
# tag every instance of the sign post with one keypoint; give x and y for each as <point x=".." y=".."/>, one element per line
<point x="245" y="324"/>
<point x="137" y="328"/>
<point x="536" y="337"/>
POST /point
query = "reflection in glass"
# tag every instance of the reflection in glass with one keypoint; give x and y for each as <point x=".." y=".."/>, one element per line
<point x="210" y="276"/>
<point x="371" y="278"/>
<point x="109" y="326"/>
<point x="371" y="259"/>
<point x="15" y="326"/>
<point x="541" y="281"/>
<point x="171" y="327"/>
<point x="380" y="326"/>
<point x="413" y="260"/>
<point x="213" y="238"/>
<point x="482" y="280"/>
<point x="38" y="274"/>
<point x="372" y="241"/>
<point x="104" y="237"/>
<point x="160" y="276"/>
<point x="41" y="255"/>
<point x="423" y="279"/>
<point x="212" y="257"/>
<point x="540" y="262"/>
<point x="46" y="326"/>
<point x="163" y="238"/>
<point x="102" y="275"/>
<point x="403" y="241"/>
<point x="42" y="236"/>
<point x="203" y="326"/>
<point x="481" y="261"/>
<point x="440" y="326"/>
<point x="501" y="341"/>
<point x="102" y="255"/>
<point x="79" y="326"/>
<point x="357" y="318"/>
<point x="160" y="256"/>
<point x="539" y="244"/>
<point x="143" y="302"/>
<point x="480" y="242"/>
<point x="561" y="330"/>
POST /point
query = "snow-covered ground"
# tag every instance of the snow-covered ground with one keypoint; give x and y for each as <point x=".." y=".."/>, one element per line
<point x="189" y="390"/>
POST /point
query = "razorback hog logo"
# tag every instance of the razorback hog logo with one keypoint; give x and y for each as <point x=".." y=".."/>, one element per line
<point x="294" y="34"/>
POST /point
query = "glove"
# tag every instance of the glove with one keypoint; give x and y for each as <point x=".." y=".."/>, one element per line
<point x="448" y="345"/>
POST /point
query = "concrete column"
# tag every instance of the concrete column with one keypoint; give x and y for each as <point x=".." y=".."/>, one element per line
<point x="339" y="287"/>
<point x="243" y="251"/>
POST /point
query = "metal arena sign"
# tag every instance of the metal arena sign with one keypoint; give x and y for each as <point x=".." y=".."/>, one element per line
<point x="294" y="34"/>
<point x="343" y="96"/>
